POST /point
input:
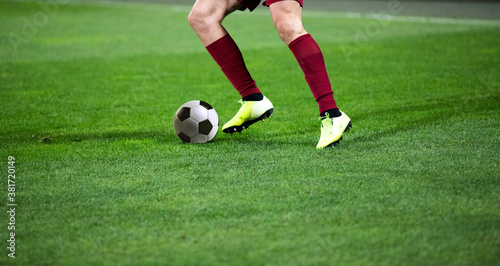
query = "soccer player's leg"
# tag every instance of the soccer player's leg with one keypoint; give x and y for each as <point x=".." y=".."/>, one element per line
<point x="287" y="18"/>
<point x="205" y="18"/>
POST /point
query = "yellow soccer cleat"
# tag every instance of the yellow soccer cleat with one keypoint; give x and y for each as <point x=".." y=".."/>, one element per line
<point x="249" y="113"/>
<point x="332" y="130"/>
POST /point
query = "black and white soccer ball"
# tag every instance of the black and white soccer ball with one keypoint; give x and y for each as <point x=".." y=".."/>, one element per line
<point x="196" y="122"/>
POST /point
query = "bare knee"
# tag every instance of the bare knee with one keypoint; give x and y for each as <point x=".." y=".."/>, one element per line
<point x="206" y="18"/>
<point x="289" y="30"/>
<point x="200" y="20"/>
<point x="287" y="18"/>
<point x="207" y="14"/>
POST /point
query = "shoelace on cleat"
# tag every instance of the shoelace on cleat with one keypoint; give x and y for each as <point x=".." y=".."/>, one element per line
<point x="326" y="120"/>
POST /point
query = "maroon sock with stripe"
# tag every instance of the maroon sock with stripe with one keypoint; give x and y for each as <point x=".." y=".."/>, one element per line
<point x="310" y="58"/>
<point x="228" y="56"/>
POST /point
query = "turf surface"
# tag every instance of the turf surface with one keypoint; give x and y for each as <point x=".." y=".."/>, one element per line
<point x="88" y="93"/>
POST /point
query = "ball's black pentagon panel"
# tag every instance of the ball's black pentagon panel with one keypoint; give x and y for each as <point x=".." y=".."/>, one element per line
<point x="206" y="105"/>
<point x="184" y="113"/>
<point x="205" y="127"/>
<point x="184" y="137"/>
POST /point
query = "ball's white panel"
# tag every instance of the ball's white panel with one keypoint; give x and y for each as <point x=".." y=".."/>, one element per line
<point x="212" y="133"/>
<point x="190" y="127"/>
<point x="199" y="113"/>
<point x="213" y="117"/>
<point x="191" y="103"/>
<point x="200" y="138"/>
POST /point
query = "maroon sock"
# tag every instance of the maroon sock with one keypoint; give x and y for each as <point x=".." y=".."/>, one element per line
<point x="228" y="56"/>
<point x="310" y="58"/>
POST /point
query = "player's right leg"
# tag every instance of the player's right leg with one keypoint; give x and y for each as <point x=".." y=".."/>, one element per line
<point x="287" y="18"/>
<point x="206" y="18"/>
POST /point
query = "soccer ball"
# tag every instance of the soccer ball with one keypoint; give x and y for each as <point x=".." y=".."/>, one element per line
<point x="196" y="122"/>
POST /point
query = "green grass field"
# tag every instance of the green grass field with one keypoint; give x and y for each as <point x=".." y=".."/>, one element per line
<point x="88" y="93"/>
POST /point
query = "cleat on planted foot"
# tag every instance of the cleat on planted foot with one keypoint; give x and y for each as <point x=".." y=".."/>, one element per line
<point x="332" y="130"/>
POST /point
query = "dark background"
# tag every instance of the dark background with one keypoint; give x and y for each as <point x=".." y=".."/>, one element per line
<point x="440" y="8"/>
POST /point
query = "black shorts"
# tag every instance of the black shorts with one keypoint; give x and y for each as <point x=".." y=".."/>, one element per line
<point x="252" y="4"/>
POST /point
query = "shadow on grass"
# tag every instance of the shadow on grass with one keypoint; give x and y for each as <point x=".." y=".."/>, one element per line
<point x="110" y="136"/>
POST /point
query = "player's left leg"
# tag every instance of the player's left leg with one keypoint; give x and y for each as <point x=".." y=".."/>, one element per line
<point x="287" y="18"/>
<point x="206" y="19"/>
